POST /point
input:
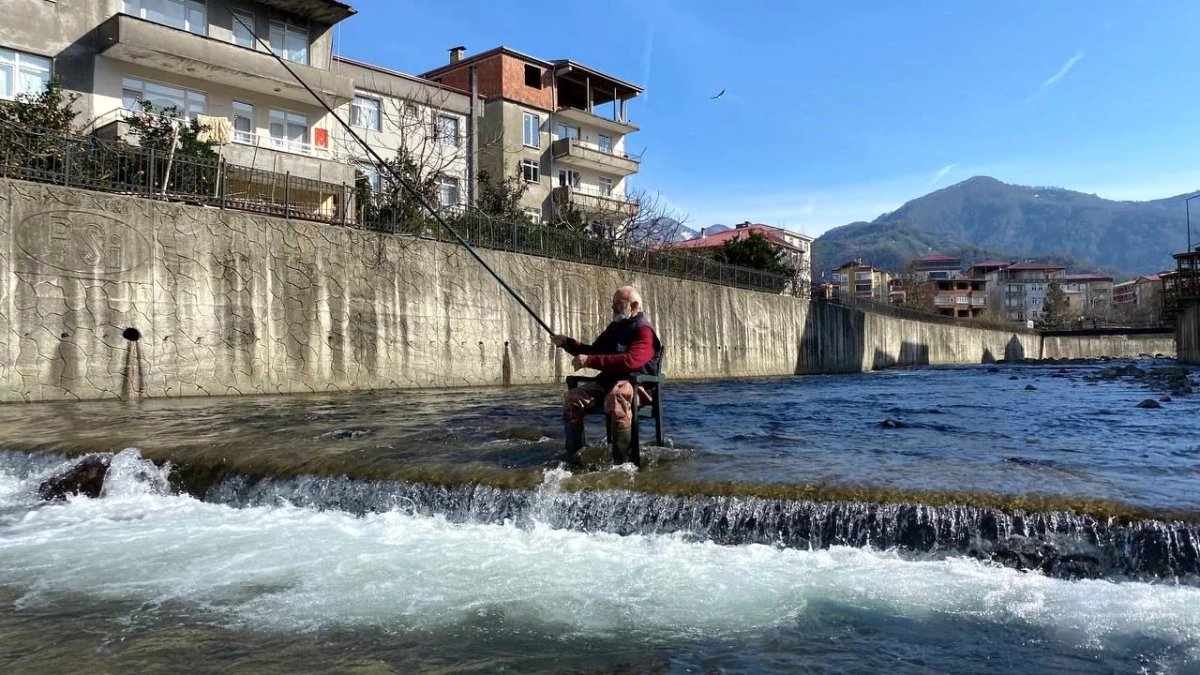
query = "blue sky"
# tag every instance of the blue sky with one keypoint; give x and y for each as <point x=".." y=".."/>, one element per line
<point x="840" y="111"/>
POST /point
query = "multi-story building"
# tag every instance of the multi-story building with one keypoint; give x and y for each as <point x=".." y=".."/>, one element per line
<point x="960" y="297"/>
<point x="796" y="247"/>
<point x="1088" y="295"/>
<point x="543" y="122"/>
<point x="860" y="280"/>
<point x="1018" y="291"/>
<point x="1139" y="299"/>
<point x="934" y="266"/>
<point x="403" y="116"/>
<point x="980" y="270"/>
<point x="191" y="57"/>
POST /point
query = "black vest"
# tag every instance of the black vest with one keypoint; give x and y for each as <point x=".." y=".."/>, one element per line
<point x="619" y="335"/>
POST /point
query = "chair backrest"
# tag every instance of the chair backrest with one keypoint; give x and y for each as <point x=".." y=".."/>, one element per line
<point x="662" y="361"/>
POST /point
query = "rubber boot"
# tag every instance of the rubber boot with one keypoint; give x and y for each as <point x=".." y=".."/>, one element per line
<point x="574" y="434"/>
<point x="621" y="440"/>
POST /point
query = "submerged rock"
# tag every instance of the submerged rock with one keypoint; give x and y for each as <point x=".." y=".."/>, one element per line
<point x="1030" y="387"/>
<point x="85" y="478"/>
<point x="891" y="423"/>
<point x="1149" y="403"/>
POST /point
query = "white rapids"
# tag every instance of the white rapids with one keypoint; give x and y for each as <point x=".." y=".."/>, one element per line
<point x="290" y="569"/>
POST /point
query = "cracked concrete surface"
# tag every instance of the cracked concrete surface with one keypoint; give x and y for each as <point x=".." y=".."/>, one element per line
<point x="229" y="303"/>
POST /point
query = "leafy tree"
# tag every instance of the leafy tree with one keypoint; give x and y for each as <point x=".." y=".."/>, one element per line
<point x="755" y="252"/>
<point x="1056" y="310"/>
<point x="501" y="198"/>
<point x="52" y="110"/>
<point x="164" y="130"/>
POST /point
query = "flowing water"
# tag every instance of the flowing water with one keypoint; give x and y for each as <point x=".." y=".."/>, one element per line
<point x="436" y="532"/>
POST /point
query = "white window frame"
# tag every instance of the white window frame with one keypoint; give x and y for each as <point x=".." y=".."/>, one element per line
<point x="534" y="167"/>
<point x="286" y="142"/>
<point x="604" y="143"/>
<point x="194" y="102"/>
<point x="190" y="11"/>
<point x="373" y="175"/>
<point x="243" y="110"/>
<point x="411" y="111"/>
<point x="361" y="103"/>
<point x="569" y="178"/>
<point x="531" y="130"/>
<point x="447" y="127"/>
<point x="534" y="215"/>
<point x="448" y="185"/>
<point x="20" y="65"/>
<point x="605" y="185"/>
<point x="238" y="35"/>
<point x="280" y="32"/>
<point x="567" y="131"/>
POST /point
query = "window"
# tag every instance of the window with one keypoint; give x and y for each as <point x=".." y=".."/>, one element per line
<point x="568" y="178"/>
<point x="566" y="131"/>
<point x="447" y="130"/>
<point x="604" y="143"/>
<point x="863" y="275"/>
<point x="410" y="110"/>
<point x="364" y="112"/>
<point x="289" y="131"/>
<point x="448" y="191"/>
<point x="189" y="15"/>
<point x="372" y="174"/>
<point x="22" y="73"/>
<point x="243" y="28"/>
<point x="533" y="76"/>
<point x="243" y="123"/>
<point x="606" y="186"/>
<point x="164" y="99"/>
<point x="289" y="42"/>
<point x="530" y="171"/>
<point x="534" y="216"/>
<point x="531" y="130"/>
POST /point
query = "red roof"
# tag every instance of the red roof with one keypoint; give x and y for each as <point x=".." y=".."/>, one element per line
<point x="1085" y="277"/>
<point x="719" y="239"/>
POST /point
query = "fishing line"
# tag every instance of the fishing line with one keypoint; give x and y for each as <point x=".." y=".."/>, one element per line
<point x="394" y="175"/>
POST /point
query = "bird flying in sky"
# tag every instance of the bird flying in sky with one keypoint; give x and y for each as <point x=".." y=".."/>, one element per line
<point x="719" y="95"/>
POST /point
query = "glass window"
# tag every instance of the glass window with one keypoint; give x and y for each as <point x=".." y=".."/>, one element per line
<point x="534" y="216"/>
<point x="448" y="191"/>
<point x="189" y="15"/>
<point x="289" y="131"/>
<point x="410" y="110"/>
<point x="164" y="98"/>
<point x="448" y="130"/>
<point x="289" y="42"/>
<point x="22" y="73"/>
<point x="605" y="143"/>
<point x="567" y="131"/>
<point x="606" y="186"/>
<point x="364" y="112"/>
<point x="243" y="123"/>
<point x="530" y="171"/>
<point x="531" y="130"/>
<point x="243" y="28"/>
<point x="372" y="174"/>
<point x="568" y="178"/>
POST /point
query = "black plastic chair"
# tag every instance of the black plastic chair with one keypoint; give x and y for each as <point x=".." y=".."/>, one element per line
<point x="650" y="410"/>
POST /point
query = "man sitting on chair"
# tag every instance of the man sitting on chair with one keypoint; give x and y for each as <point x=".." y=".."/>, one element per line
<point x="629" y="345"/>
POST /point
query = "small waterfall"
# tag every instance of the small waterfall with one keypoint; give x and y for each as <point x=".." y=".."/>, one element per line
<point x="1058" y="544"/>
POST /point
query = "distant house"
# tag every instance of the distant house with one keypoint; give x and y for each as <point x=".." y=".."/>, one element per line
<point x="797" y="248"/>
<point x="861" y="280"/>
<point x="1018" y="290"/>
<point x="934" y="266"/>
<point x="1088" y="294"/>
<point x="1140" y="298"/>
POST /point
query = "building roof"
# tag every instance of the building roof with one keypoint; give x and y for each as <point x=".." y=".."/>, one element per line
<point x="396" y="73"/>
<point x="1032" y="266"/>
<point x="991" y="263"/>
<point x="324" y="11"/>
<point x="1085" y="277"/>
<point x="714" y="240"/>
<point x="556" y="64"/>
<point x="937" y="257"/>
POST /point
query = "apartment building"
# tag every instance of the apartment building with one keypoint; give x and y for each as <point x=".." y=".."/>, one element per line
<point x="559" y="125"/>
<point x="1139" y="299"/>
<point x="861" y="280"/>
<point x="796" y="247"/>
<point x="1088" y="295"/>
<point x="191" y="57"/>
<point x="960" y="297"/>
<point x="1018" y="291"/>
<point x="402" y="115"/>
<point x="934" y="266"/>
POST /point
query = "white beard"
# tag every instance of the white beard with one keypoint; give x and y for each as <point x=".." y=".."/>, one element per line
<point x="621" y="316"/>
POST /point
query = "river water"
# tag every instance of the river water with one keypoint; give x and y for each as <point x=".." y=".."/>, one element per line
<point x="435" y="532"/>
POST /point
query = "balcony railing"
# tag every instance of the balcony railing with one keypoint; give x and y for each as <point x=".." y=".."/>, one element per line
<point x="604" y="150"/>
<point x="280" y="144"/>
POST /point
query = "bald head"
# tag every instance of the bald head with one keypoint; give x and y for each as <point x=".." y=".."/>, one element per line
<point x="626" y="304"/>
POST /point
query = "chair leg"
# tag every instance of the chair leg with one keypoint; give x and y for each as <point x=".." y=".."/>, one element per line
<point x="635" y="447"/>
<point x="658" y="428"/>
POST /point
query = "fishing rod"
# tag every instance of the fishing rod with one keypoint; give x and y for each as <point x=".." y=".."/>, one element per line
<point x="394" y="175"/>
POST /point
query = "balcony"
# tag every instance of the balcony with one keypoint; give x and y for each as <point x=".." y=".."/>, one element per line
<point x="577" y="153"/>
<point x="590" y="200"/>
<point x="145" y="43"/>
<point x="588" y="119"/>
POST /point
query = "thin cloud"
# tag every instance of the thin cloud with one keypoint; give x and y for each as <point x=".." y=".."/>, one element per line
<point x="942" y="174"/>
<point x="647" y="60"/>
<point x="1062" y="72"/>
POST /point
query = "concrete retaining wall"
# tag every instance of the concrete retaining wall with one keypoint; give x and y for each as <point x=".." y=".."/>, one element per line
<point x="1115" y="346"/>
<point x="1187" y="334"/>
<point x="226" y="303"/>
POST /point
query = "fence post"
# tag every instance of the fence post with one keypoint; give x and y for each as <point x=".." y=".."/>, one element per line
<point x="150" y="174"/>
<point x="67" y="166"/>
<point x="223" y="173"/>
<point x="287" y="195"/>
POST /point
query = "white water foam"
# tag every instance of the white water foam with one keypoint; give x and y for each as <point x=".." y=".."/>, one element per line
<point x="293" y="570"/>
